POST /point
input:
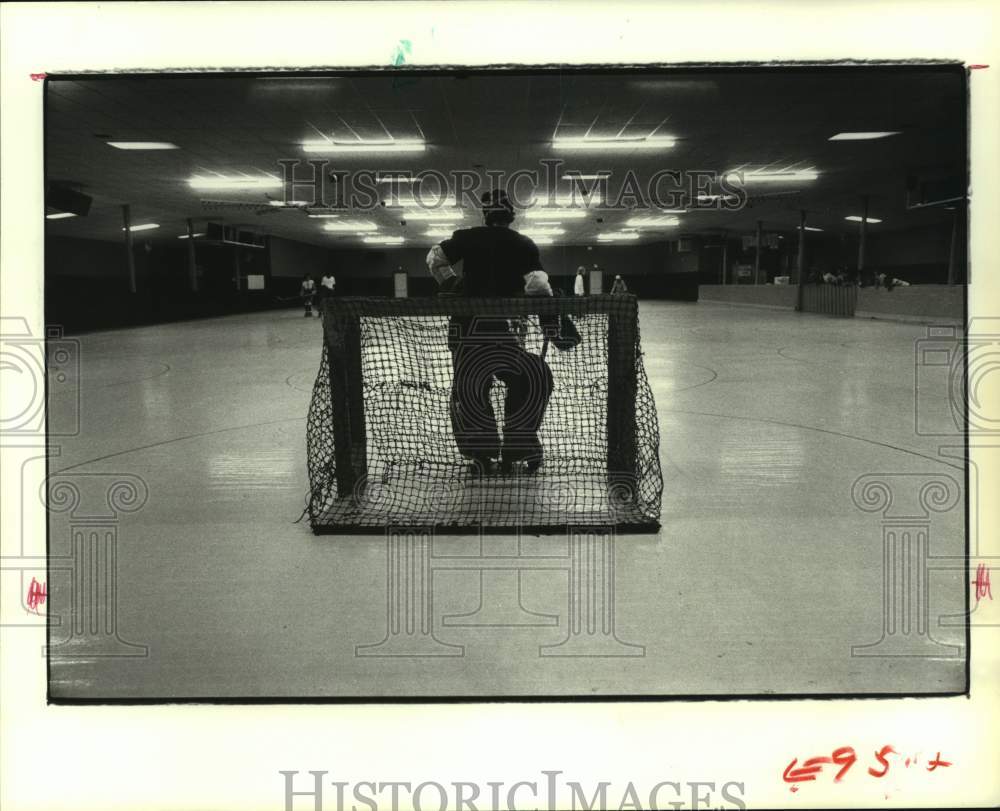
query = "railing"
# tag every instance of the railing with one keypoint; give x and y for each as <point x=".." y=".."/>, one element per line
<point x="829" y="299"/>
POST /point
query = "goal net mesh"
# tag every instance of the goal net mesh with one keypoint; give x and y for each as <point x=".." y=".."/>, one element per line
<point x="381" y="438"/>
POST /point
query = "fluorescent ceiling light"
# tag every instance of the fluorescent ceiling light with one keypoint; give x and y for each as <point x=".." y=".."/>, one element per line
<point x="440" y="215"/>
<point x="543" y="232"/>
<point x="651" y="222"/>
<point x="855" y="218"/>
<point x="609" y="144"/>
<point x="544" y="241"/>
<point x="571" y="176"/>
<point x="577" y="198"/>
<point x="185" y="236"/>
<point x="287" y="204"/>
<point x="62" y="215"/>
<point x="322" y="216"/>
<point x="703" y="198"/>
<point x="142" y="145"/>
<point x="149" y="226"/>
<point x="234" y="182"/>
<point x="613" y="236"/>
<point x="811" y="228"/>
<point x="355" y="147"/>
<point x="432" y="203"/>
<point x="554" y="214"/>
<point x="397" y="179"/>
<point x="353" y="227"/>
<point x="673" y="210"/>
<point x="861" y="136"/>
<point x="787" y="176"/>
<point x="384" y="240"/>
<point x="438" y="234"/>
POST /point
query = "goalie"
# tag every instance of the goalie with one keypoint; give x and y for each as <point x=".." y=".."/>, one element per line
<point x="497" y="262"/>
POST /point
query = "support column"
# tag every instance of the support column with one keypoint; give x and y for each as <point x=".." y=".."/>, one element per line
<point x="192" y="265"/>
<point x="756" y="261"/>
<point x="801" y="260"/>
<point x="953" y="250"/>
<point x="725" y="259"/>
<point x="863" y="232"/>
<point x="129" y="253"/>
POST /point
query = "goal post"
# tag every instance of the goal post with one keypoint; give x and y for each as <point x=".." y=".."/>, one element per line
<point x="381" y="444"/>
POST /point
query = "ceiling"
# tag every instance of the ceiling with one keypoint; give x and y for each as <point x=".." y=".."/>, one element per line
<point x="755" y="118"/>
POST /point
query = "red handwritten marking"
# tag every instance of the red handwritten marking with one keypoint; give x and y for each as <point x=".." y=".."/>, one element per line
<point x="982" y="582"/>
<point x="978" y="67"/>
<point x="37" y="77"/>
<point x="937" y="762"/>
<point x="845" y="757"/>
<point x="36" y="595"/>
<point x="807" y="771"/>
<point x="880" y="756"/>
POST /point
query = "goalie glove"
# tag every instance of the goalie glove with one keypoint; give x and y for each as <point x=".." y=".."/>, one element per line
<point x="536" y="283"/>
<point x="439" y="266"/>
<point x="569" y="336"/>
<point x="560" y="331"/>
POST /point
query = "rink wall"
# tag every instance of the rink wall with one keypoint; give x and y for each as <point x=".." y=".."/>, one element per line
<point x="770" y="296"/>
<point x="919" y="303"/>
<point x="923" y="303"/>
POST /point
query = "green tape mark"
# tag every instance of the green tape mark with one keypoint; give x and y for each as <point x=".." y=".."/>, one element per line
<point x="403" y="50"/>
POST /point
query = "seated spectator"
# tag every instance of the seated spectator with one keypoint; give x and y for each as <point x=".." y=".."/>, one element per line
<point x="888" y="282"/>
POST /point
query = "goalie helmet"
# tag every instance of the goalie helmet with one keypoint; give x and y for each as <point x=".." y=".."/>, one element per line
<point x="497" y="207"/>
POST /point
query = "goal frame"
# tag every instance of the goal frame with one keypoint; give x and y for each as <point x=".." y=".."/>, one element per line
<point x="342" y="335"/>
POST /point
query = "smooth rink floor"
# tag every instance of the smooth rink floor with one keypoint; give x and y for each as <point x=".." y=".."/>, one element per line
<point x="766" y="577"/>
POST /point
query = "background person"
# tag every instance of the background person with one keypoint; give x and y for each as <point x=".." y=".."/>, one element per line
<point x="308" y="293"/>
<point x="327" y="285"/>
